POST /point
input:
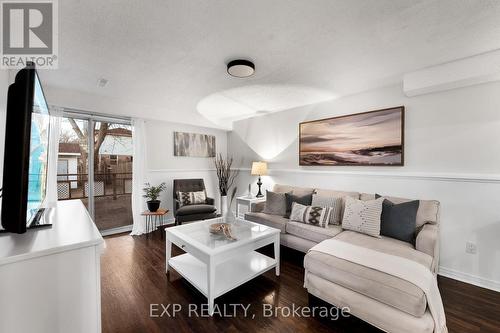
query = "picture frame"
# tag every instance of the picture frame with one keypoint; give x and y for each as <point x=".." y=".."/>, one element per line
<point x="372" y="138"/>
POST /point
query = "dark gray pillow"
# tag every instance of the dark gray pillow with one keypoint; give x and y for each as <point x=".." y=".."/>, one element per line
<point x="399" y="220"/>
<point x="275" y="203"/>
<point x="305" y="200"/>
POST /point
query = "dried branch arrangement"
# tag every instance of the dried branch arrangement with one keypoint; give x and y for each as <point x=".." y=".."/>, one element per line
<point x="225" y="174"/>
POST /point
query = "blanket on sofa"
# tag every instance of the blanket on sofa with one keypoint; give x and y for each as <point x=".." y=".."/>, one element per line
<point x="402" y="268"/>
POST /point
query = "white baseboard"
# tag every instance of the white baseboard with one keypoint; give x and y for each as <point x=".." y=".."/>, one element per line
<point x="128" y="228"/>
<point x="469" y="278"/>
<point x="117" y="230"/>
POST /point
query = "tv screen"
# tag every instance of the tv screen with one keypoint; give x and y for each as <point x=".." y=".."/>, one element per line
<point x="26" y="153"/>
<point x="39" y="143"/>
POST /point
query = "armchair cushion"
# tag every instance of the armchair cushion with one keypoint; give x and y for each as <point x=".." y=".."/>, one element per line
<point x="195" y="209"/>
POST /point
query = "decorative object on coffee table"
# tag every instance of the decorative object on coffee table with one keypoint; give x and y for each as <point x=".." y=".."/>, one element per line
<point x="152" y="193"/>
<point x="226" y="177"/>
<point x="259" y="169"/>
<point x="222" y="228"/>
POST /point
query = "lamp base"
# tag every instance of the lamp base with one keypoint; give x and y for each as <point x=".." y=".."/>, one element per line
<point x="259" y="194"/>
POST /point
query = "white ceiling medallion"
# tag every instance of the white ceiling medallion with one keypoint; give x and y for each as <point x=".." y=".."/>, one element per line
<point x="240" y="68"/>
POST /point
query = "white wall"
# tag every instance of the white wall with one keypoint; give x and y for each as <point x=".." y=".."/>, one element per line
<point x="163" y="166"/>
<point x="451" y="154"/>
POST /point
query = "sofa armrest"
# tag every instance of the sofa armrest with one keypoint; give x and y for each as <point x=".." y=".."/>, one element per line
<point x="210" y="201"/>
<point x="257" y="207"/>
<point x="428" y="242"/>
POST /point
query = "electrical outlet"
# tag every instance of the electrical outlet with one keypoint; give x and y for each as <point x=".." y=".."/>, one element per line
<point x="470" y="248"/>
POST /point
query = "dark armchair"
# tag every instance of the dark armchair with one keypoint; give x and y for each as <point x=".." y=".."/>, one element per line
<point x="193" y="212"/>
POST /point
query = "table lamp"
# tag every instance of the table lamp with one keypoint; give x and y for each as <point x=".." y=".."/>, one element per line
<point x="259" y="169"/>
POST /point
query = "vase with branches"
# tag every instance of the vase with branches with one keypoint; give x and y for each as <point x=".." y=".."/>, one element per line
<point x="226" y="176"/>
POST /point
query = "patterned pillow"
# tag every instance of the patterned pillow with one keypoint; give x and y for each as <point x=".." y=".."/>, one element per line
<point x="336" y="203"/>
<point x="363" y="216"/>
<point x="191" y="198"/>
<point x="317" y="216"/>
<point x="291" y="198"/>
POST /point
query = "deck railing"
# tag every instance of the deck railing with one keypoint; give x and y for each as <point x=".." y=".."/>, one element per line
<point x="75" y="185"/>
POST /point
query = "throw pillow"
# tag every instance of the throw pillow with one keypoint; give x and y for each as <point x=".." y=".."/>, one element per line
<point x="336" y="203"/>
<point x="275" y="203"/>
<point x="399" y="220"/>
<point x="363" y="216"/>
<point x="301" y="199"/>
<point x="317" y="216"/>
<point x="191" y="198"/>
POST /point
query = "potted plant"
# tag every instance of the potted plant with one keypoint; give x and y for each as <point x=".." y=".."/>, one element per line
<point x="226" y="176"/>
<point x="152" y="193"/>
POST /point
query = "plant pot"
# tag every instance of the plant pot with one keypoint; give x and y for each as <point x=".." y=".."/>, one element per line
<point x="153" y="205"/>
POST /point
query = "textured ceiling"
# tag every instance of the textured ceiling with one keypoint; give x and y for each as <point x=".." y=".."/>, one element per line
<point x="166" y="59"/>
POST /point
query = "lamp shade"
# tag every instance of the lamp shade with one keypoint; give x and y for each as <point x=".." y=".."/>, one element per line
<point x="259" y="168"/>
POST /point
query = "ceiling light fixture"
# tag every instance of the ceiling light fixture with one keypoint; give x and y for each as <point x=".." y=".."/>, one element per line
<point x="240" y="68"/>
<point x="102" y="82"/>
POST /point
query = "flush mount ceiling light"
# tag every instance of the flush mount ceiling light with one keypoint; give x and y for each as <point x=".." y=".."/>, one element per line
<point x="102" y="82"/>
<point x="240" y="68"/>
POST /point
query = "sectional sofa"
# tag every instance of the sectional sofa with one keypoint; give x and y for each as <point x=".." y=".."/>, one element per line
<point x="383" y="300"/>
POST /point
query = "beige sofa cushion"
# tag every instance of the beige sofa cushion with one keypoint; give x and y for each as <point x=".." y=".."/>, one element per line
<point x="311" y="232"/>
<point x="274" y="221"/>
<point x="375" y="284"/>
<point x="380" y="315"/>
<point x="300" y="191"/>
<point x="428" y="210"/>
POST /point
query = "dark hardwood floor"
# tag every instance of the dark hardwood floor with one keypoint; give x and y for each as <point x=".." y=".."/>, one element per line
<point x="133" y="278"/>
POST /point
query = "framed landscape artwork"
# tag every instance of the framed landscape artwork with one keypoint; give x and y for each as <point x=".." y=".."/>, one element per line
<point x="369" y="138"/>
<point x="194" y="145"/>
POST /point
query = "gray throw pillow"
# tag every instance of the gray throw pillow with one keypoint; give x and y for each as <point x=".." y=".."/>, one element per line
<point x="363" y="216"/>
<point x="301" y="199"/>
<point x="275" y="203"/>
<point x="336" y="203"/>
<point x="399" y="220"/>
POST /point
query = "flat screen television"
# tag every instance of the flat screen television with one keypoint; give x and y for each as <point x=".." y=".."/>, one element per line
<point x="26" y="154"/>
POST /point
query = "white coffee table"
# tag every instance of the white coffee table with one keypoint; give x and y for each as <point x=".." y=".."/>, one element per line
<point x="216" y="265"/>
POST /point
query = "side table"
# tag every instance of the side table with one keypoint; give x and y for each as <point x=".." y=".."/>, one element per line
<point x="154" y="219"/>
<point x="247" y="201"/>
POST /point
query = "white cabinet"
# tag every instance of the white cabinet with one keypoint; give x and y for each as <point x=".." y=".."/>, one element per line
<point x="50" y="277"/>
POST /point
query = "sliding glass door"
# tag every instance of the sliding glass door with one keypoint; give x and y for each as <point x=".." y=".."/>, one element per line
<point x="113" y="153"/>
<point x="95" y="166"/>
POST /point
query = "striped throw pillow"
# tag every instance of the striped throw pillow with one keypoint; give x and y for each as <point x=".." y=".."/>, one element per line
<point x="363" y="216"/>
<point x="191" y="198"/>
<point x="313" y="215"/>
<point x="336" y="203"/>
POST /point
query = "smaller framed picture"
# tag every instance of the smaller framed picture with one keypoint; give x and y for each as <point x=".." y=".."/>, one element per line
<point x="194" y="145"/>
